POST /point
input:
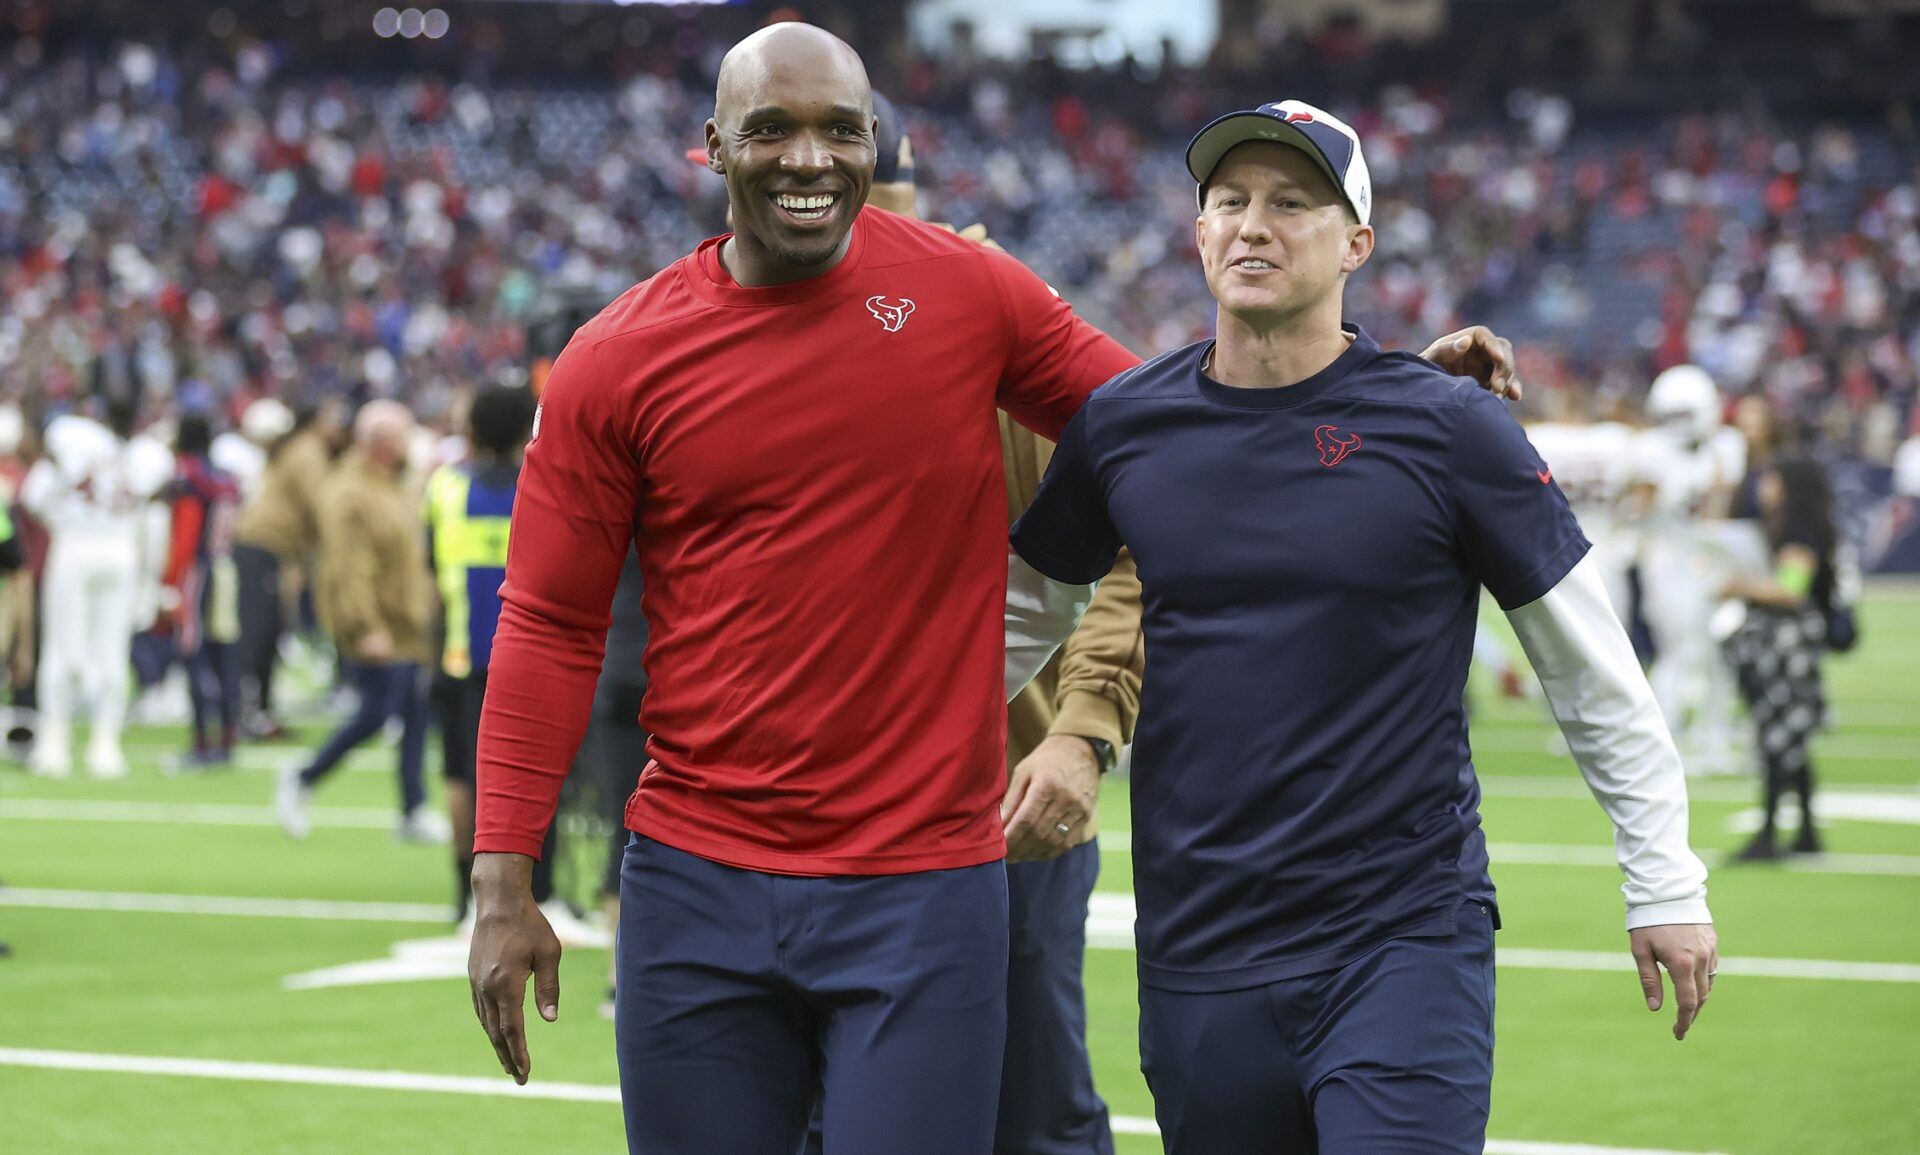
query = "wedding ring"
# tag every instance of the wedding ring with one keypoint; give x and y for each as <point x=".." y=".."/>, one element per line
<point x="1063" y="828"/>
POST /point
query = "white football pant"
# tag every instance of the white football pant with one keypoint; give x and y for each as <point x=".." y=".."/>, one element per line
<point x="87" y="637"/>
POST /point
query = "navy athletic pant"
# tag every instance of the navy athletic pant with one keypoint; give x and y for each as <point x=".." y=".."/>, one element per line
<point x="1047" y="1101"/>
<point x="387" y="690"/>
<point x="743" y="997"/>
<point x="1390" y="1055"/>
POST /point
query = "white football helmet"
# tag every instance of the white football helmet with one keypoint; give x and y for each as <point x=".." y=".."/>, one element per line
<point x="265" y="420"/>
<point x="1685" y="398"/>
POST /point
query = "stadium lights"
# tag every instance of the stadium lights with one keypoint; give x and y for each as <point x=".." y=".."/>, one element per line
<point x="411" y="23"/>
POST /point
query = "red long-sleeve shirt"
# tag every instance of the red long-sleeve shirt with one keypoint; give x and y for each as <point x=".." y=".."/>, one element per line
<point x="811" y="475"/>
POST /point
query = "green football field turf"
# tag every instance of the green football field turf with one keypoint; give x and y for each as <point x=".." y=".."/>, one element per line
<point x="154" y="928"/>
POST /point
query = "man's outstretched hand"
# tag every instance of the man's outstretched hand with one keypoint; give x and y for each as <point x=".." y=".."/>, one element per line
<point x="1478" y="353"/>
<point x="511" y="940"/>
<point x="1691" y="954"/>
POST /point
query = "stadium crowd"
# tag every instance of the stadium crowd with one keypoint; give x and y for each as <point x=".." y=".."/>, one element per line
<point x="237" y="244"/>
<point x="225" y="229"/>
<point x="216" y="230"/>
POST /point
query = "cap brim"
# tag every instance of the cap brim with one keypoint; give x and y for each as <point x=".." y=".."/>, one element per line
<point x="1216" y="140"/>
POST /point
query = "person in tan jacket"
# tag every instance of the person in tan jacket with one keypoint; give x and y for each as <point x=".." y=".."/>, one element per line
<point x="374" y="594"/>
<point x="274" y="539"/>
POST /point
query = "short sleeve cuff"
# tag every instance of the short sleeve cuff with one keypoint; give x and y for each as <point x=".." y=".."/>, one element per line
<point x="1540" y="581"/>
<point x="1052" y="567"/>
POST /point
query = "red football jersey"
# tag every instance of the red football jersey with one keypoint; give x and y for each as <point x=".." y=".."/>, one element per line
<point x="811" y="475"/>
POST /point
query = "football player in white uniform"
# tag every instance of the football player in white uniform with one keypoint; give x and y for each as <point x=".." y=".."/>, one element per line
<point x="1594" y="464"/>
<point x="93" y="491"/>
<point x="1688" y="466"/>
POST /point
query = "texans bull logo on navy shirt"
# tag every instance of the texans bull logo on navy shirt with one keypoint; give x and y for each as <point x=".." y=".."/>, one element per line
<point x="1312" y="559"/>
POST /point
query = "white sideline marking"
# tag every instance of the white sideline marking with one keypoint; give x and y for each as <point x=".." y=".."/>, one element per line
<point x="1517" y="1147"/>
<point x="1900" y="808"/>
<point x="1110" y="927"/>
<point x="1882" y="802"/>
<point x="412" y="960"/>
<point x="1739" y="789"/>
<point x="1544" y="854"/>
<point x="311" y="1076"/>
<point x="1840" y="746"/>
<point x="185" y="813"/>
<point x="1772" y="968"/>
<point x="1555" y="854"/>
<point x="1571" y="786"/>
<point x="221" y="905"/>
<point x="501" y="1086"/>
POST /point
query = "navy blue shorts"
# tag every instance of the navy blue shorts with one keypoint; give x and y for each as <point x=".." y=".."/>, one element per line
<point x="745" y="997"/>
<point x="1390" y="1055"/>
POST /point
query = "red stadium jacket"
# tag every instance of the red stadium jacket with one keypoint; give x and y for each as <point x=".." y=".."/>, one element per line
<point x="812" y="473"/>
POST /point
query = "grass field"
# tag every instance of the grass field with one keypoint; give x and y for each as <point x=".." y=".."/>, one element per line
<point x="146" y="1007"/>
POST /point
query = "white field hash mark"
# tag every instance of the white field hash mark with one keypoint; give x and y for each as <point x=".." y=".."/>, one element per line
<point x="1562" y="854"/>
<point x="565" y="1092"/>
<point x="210" y="904"/>
<point x="1109" y="927"/>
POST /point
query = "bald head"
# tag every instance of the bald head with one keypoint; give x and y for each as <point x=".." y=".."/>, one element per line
<point x="792" y="131"/>
<point x="380" y="432"/>
<point x="781" y="53"/>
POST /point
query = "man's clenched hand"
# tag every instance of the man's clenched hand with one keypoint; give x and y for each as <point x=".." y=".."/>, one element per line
<point x="1479" y="353"/>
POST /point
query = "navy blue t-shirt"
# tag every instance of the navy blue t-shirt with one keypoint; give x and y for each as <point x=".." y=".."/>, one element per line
<point x="1311" y="559"/>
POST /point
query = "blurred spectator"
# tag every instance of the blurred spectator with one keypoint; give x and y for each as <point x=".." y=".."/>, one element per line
<point x="1777" y="650"/>
<point x="275" y="540"/>
<point x="374" y="594"/>
<point x="203" y="594"/>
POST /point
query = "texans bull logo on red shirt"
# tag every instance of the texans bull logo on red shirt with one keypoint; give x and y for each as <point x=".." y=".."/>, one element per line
<point x="1334" y="450"/>
<point x="891" y="315"/>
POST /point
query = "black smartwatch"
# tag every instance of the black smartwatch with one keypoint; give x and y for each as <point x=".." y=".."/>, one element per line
<point x="1103" y="752"/>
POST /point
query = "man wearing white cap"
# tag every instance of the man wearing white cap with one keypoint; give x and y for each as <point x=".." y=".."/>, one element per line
<point x="1313" y="519"/>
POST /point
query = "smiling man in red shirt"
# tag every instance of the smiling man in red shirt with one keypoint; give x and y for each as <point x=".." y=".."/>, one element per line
<point x="795" y="427"/>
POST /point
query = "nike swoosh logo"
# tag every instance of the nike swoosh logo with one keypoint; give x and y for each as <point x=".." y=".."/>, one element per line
<point x="1545" y="475"/>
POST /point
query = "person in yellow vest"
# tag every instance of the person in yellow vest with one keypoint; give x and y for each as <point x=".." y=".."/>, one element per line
<point x="469" y="508"/>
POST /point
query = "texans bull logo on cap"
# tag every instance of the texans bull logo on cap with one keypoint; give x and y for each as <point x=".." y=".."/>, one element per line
<point x="1326" y="138"/>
